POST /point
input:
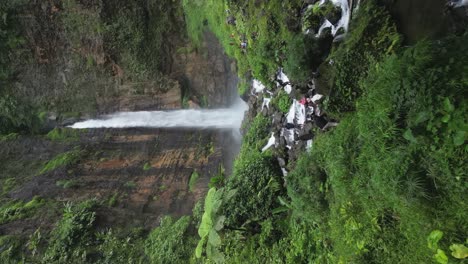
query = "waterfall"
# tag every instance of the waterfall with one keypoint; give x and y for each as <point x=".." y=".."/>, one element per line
<point x="344" y="20"/>
<point x="226" y="118"/>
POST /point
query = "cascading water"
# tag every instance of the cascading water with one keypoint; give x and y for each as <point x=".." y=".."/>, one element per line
<point x="227" y="118"/>
<point x="344" y="20"/>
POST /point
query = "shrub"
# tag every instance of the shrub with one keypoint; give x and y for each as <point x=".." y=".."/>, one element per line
<point x="171" y="242"/>
<point x="259" y="129"/>
<point x="73" y="234"/>
<point x="303" y="56"/>
<point x="263" y="177"/>
<point x="282" y="101"/>
<point x="120" y="249"/>
<point x="373" y="35"/>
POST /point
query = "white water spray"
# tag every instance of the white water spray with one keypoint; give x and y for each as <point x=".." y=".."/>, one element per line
<point x="226" y="118"/>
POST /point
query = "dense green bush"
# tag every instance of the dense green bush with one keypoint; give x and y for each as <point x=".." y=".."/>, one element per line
<point x="303" y="56"/>
<point x="373" y="35"/>
<point x="258" y="130"/>
<point x="71" y="238"/>
<point x="282" y="101"/>
<point x="114" y="248"/>
<point x="393" y="168"/>
<point x="306" y="188"/>
<point x="262" y="175"/>
<point x="171" y="242"/>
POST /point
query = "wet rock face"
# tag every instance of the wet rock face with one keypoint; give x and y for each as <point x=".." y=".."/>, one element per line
<point x="147" y="171"/>
<point x="207" y="72"/>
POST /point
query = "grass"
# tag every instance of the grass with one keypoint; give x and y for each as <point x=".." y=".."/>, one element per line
<point x="378" y="191"/>
<point x="64" y="134"/>
<point x="264" y="32"/>
<point x="66" y="184"/>
<point x="62" y="160"/>
<point x="147" y="166"/>
<point x="130" y="185"/>
<point x="15" y="210"/>
<point x="193" y="180"/>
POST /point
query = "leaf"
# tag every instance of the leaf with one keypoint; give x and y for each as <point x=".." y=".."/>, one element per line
<point x="459" y="251"/>
<point x="280" y="209"/>
<point x="205" y="225"/>
<point x="214" y="239"/>
<point x="448" y="106"/>
<point x="421" y="117"/>
<point x="446" y="118"/>
<point x="209" y="200"/>
<point x="440" y="257"/>
<point x="217" y="256"/>
<point x="459" y="138"/>
<point x="434" y="238"/>
<point x="199" y="249"/>
<point x="230" y="194"/>
<point x="408" y="135"/>
<point x="219" y="223"/>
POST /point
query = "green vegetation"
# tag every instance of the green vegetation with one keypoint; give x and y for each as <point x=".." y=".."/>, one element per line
<point x="264" y="25"/>
<point x="66" y="184"/>
<point x="147" y="166"/>
<point x="63" y="160"/>
<point x="211" y="223"/>
<point x="391" y="172"/>
<point x="15" y="210"/>
<point x="64" y="134"/>
<point x="170" y="242"/>
<point x="282" y="101"/>
<point x="193" y="180"/>
<point x="130" y="185"/>
<point x="374" y="35"/>
<point x="73" y="234"/>
<point x="387" y="185"/>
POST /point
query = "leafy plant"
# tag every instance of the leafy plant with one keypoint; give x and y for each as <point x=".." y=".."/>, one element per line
<point x="210" y="225"/>
<point x="63" y="160"/>
<point x="73" y="234"/>
<point x="193" y="180"/>
<point x="171" y="242"/>
<point x="282" y="101"/>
